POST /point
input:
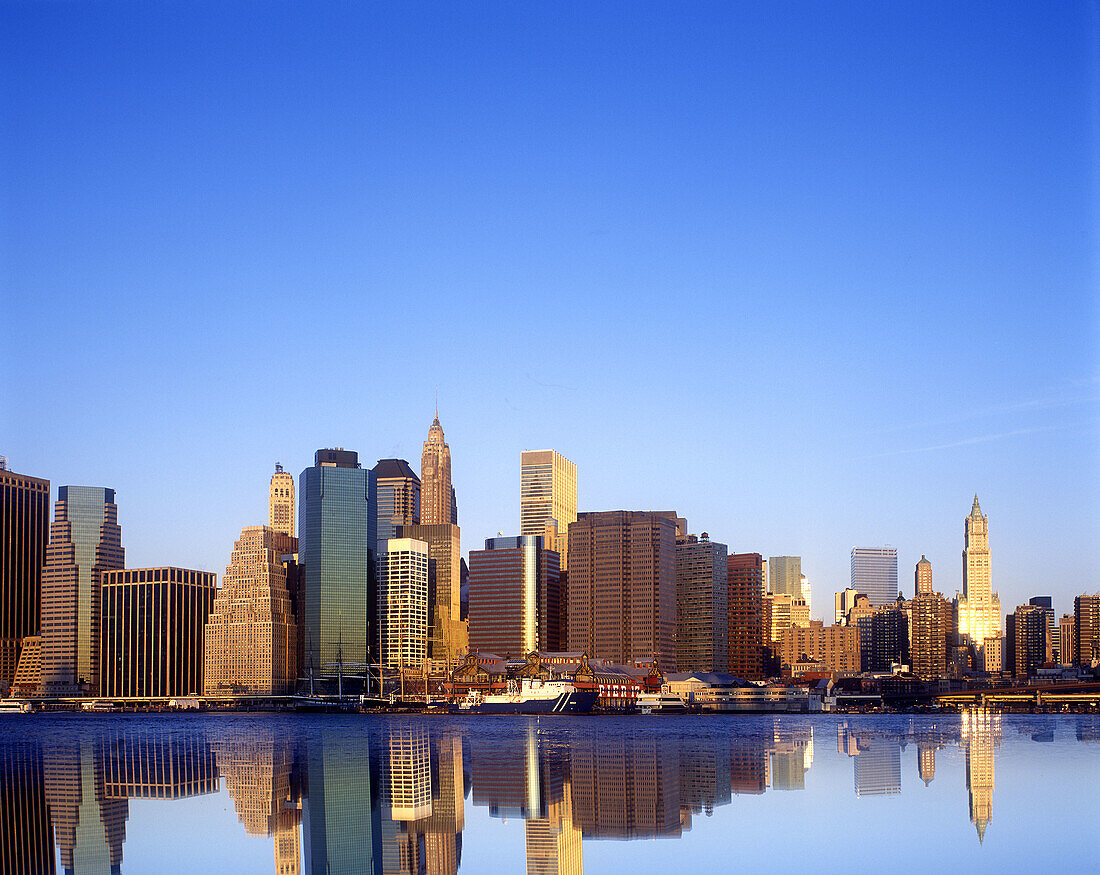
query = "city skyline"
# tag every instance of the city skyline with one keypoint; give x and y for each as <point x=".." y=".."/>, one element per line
<point x="878" y="223"/>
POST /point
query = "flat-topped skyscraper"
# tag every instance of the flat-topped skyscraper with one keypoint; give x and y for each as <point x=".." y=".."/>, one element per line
<point x="875" y="574"/>
<point x="548" y="499"/>
<point x="337" y="537"/>
<point x="436" y="494"/>
<point x="24" y="528"/>
<point x="85" y="541"/>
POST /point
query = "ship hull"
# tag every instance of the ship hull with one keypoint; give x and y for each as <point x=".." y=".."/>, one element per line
<point x="575" y="702"/>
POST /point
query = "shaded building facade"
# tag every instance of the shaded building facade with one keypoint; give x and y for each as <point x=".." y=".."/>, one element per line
<point x="85" y="541"/>
<point x="337" y="539"/>
<point x="151" y="631"/>
<point x="1086" y="629"/>
<point x="702" y="602"/>
<point x="622" y="587"/>
<point x="24" y="533"/>
<point x="514" y="597"/>
<point x="398" y="491"/>
<point x="744" y="640"/>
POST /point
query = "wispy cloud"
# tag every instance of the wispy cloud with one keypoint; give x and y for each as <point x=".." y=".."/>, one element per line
<point x="1052" y="401"/>
<point x="965" y="442"/>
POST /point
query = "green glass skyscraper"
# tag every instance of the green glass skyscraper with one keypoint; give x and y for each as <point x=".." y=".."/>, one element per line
<point x="337" y="528"/>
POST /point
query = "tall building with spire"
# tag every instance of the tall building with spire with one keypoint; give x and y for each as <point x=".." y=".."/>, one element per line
<point x="436" y="494"/>
<point x="85" y="541"/>
<point x="978" y="608"/>
<point x="280" y="505"/>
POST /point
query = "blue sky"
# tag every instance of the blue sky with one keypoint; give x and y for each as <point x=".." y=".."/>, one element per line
<point x="811" y="275"/>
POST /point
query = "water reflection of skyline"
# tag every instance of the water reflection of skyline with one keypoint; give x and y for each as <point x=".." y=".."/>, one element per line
<point x="390" y="796"/>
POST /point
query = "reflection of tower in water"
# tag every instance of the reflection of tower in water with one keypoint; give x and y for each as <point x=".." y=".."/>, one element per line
<point x="89" y="827"/>
<point x="422" y="804"/>
<point x="340" y="827"/>
<point x="26" y="835"/>
<point x="554" y="841"/>
<point x="257" y="771"/>
<point x="790" y="754"/>
<point x="981" y="732"/>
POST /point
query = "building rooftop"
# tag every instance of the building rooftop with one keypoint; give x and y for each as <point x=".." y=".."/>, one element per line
<point x="393" y="469"/>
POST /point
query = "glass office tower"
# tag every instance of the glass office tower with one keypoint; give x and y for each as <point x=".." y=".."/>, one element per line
<point x="337" y="527"/>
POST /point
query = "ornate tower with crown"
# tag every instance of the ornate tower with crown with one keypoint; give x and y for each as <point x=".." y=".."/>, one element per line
<point x="435" y="478"/>
<point x="979" y="608"/>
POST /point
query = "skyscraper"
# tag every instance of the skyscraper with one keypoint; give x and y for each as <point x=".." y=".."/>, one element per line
<point x="978" y="608"/>
<point x="1029" y="641"/>
<point x="785" y="576"/>
<point x="1067" y="649"/>
<point x="436" y="493"/>
<point x="398" y="496"/>
<point x="622" y="586"/>
<point x="151" y="631"/>
<point x="514" y="597"/>
<point x="337" y="528"/>
<point x="548" y="499"/>
<point x="24" y="526"/>
<point x="744" y="640"/>
<point x="447" y="637"/>
<point x="251" y="632"/>
<point x="875" y="574"/>
<point x="922" y="577"/>
<point x="932" y="633"/>
<point x="280" y="504"/>
<point x="702" y="602"/>
<point x="1086" y="628"/>
<point x="402" y="574"/>
<point x="85" y="541"/>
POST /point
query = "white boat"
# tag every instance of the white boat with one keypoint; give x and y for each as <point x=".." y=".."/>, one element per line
<point x="660" y="703"/>
<point x="529" y="696"/>
<point x="15" y="706"/>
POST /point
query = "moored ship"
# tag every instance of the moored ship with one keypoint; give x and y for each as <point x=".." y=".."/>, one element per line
<point x="528" y="696"/>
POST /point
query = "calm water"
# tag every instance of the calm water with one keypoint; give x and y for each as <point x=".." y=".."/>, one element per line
<point x="349" y="793"/>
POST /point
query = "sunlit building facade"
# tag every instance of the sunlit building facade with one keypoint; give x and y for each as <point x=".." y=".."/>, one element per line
<point x="922" y="577"/>
<point x="702" y="602"/>
<point x="514" y="597"/>
<point x="447" y="631"/>
<point x="251" y="633"/>
<point x="85" y="541"/>
<point x="622" y="587"/>
<point x="280" y="503"/>
<point x="436" y="493"/>
<point x="548" y="499"/>
<point x="785" y="576"/>
<point x="875" y="574"/>
<point x="401" y="569"/>
<point x="978" y="608"/>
